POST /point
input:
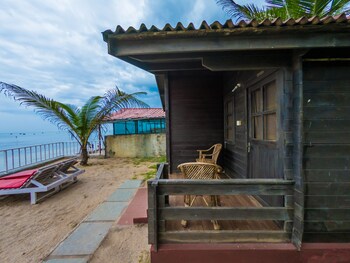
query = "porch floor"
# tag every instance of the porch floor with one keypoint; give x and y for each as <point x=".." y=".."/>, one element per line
<point x="225" y="201"/>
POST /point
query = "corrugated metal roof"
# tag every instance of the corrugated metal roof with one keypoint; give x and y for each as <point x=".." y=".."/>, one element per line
<point x="229" y="25"/>
<point x="137" y="113"/>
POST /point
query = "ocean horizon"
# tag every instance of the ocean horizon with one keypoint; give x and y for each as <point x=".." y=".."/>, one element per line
<point x="12" y="140"/>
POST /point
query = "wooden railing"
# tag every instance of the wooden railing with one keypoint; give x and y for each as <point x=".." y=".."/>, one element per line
<point x="159" y="210"/>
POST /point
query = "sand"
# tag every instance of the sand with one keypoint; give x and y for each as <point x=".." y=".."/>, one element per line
<point x="124" y="245"/>
<point x="30" y="232"/>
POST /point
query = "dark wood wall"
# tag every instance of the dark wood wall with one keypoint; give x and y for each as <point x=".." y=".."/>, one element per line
<point x="196" y="114"/>
<point x="326" y="159"/>
<point x="235" y="153"/>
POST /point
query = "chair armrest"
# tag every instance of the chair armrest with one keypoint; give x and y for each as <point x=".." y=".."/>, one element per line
<point x="207" y="150"/>
<point x="206" y="155"/>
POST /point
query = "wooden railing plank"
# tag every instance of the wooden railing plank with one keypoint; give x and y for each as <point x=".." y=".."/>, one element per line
<point x="160" y="171"/>
<point x="225" y="213"/>
<point x="228" y="181"/>
<point x="218" y="188"/>
<point x="223" y="236"/>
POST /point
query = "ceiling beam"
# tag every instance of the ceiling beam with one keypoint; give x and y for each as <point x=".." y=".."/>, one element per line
<point x="246" y="62"/>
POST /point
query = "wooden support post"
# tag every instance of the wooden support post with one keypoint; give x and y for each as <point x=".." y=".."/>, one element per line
<point x="152" y="213"/>
<point x="298" y="226"/>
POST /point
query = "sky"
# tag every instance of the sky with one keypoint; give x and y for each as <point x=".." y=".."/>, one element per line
<point x="56" y="48"/>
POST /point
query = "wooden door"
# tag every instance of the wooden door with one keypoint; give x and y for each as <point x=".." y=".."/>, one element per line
<point x="263" y="152"/>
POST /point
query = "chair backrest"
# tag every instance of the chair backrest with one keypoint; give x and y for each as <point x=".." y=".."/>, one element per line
<point x="197" y="170"/>
<point x="44" y="174"/>
<point x="64" y="166"/>
<point x="216" y="151"/>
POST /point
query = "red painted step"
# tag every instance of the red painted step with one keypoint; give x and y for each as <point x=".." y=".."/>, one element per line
<point x="136" y="212"/>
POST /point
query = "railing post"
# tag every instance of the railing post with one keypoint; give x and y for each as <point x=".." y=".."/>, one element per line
<point x="19" y="156"/>
<point x="6" y="164"/>
<point x="152" y="213"/>
<point x="165" y="175"/>
<point x="13" y="159"/>
<point x="31" y="154"/>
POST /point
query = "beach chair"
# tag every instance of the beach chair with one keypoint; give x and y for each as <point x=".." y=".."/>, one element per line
<point x="67" y="169"/>
<point x="47" y="181"/>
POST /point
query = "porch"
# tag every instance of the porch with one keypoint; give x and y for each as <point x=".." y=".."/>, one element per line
<point x="249" y="231"/>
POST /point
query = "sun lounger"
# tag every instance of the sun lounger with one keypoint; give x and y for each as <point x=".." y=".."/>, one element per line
<point x="47" y="180"/>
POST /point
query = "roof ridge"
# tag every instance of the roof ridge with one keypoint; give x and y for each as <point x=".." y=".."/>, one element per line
<point x="230" y="25"/>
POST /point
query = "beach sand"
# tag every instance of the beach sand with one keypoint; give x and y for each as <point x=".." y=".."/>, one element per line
<point x="30" y="232"/>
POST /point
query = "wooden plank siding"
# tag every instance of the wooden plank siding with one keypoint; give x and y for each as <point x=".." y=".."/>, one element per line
<point x="196" y="116"/>
<point x="327" y="151"/>
<point x="235" y="153"/>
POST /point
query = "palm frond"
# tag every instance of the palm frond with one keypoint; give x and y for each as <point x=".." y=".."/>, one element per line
<point x="339" y="6"/>
<point x="292" y="8"/>
<point x="114" y="100"/>
<point x="88" y="113"/>
<point x="245" y="12"/>
<point x="309" y="8"/>
<point x="48" y="109"/>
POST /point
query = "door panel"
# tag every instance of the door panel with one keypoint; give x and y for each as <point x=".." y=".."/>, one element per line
<point x="264" y="155"/>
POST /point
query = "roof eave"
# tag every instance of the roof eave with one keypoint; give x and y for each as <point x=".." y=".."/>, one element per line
<point x="264" y="38"/>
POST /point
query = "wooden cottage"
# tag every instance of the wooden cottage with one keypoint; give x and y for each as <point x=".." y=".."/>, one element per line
<point x="276" y="95"/>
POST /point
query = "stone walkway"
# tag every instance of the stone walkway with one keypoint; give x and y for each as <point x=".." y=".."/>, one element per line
<point x="81" y="244"/>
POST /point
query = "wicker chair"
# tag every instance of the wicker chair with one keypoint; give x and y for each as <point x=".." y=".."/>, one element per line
<point x="210" y="155"/>
<point x="201" y="171"/>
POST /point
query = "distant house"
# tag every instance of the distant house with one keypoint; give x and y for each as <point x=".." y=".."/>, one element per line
<point x="138" y="121"/>
<point x="276" y="95"/>
<point x="137" y="132"/>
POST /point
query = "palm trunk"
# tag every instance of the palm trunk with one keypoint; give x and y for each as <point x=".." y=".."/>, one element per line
<point x="84" y="156"/>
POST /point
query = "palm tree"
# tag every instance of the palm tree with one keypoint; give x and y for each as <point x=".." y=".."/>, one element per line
<point x="285" y="9"/>
<point x="79" y="122"/>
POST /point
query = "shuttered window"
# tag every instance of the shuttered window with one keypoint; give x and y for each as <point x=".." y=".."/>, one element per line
<point x="229" y="121"/>
<point x="263" y="112"/>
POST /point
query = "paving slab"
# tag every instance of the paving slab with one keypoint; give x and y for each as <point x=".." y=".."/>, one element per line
<point x="68" y="260"/>
<point x="84" y="240"/>
<point x="122" y="195"/>
<point x="131" y="184"/>
<point x="107" y="211"/>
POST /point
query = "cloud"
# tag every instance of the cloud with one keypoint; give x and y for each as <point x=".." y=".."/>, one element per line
<point x="56" y="47"/>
